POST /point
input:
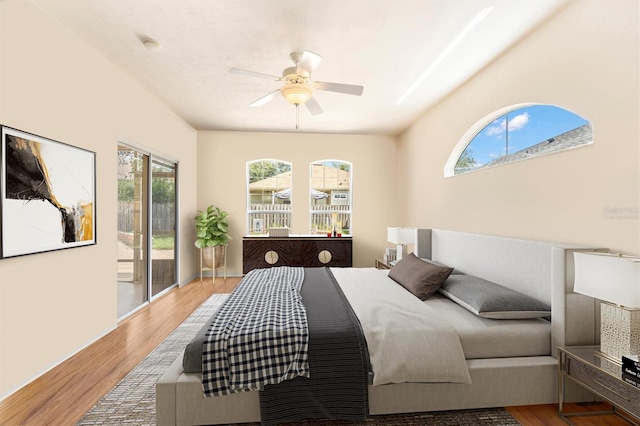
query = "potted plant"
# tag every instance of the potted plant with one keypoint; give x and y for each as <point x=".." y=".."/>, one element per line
<point x="212" y="232"/>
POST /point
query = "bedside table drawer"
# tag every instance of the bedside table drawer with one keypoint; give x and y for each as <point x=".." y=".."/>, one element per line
<point x="609" y="387"/>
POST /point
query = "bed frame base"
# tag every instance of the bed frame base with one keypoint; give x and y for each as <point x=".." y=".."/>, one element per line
<point x="496" y="383"/>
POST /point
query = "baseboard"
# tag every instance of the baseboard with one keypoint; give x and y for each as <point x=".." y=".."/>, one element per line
<point x="55" y="364"/>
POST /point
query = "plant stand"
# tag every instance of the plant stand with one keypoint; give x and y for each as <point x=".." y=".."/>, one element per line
<point x="203" y="267"/>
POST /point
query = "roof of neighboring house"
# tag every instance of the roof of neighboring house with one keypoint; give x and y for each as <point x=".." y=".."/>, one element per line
<point x="273" y="183"/>
<point x="322" y="177"/>
<point x="578" y="136"/>
<point x="329" y="178"/>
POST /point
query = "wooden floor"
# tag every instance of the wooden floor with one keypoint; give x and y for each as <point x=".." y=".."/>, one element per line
<point x="62" y="395"/>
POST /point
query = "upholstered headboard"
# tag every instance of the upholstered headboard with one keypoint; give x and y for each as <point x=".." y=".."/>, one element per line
<point x="542" y="270"/>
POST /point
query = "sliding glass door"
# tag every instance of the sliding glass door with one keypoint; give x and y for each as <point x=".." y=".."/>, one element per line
<point x="163" y="219"/>
<point x="133" y="168"/>
<point x="146" y="227"/>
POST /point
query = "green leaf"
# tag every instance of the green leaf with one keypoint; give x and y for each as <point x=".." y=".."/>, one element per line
<point x="212" y="227"/>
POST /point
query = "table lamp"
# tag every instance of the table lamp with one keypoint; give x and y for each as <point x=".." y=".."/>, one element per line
<point x="401" y="237"/>
<point x="615" y="280"/>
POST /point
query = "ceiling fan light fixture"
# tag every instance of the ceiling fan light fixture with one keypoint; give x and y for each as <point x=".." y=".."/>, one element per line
<point x="296" y="94"/>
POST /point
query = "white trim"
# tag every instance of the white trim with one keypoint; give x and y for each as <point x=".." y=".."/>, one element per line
<point x="133" y="311"/>
<point x="467" y="137"/>
<point x="56" y="363"/>
<point x="248" y="211"/>
<point x="349" y="193"/>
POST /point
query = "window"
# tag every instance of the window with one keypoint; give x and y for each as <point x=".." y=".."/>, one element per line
<point x="330" y="197"/>
<point x="268" y="196"/>
<point x="520" y="133"/>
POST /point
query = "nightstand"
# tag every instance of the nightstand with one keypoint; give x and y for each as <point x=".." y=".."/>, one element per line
<point x="380" y="264"/>
<point x="582" y="365"/>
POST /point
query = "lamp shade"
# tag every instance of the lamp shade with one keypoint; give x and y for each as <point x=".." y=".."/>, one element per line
<point x="296" y="93"/>
<point x="397" y="235"/>
<point x="609" y="277"/>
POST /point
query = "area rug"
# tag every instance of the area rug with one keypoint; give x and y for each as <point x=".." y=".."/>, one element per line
<point x="132" y="400"/>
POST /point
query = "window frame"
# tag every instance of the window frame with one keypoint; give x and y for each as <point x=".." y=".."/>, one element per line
<point x="250" y="212"/>
<point x="339" y="211"/>
<point x="469" y="136"/>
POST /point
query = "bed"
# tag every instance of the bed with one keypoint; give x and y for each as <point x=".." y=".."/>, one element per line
<point x="502" y="371"/>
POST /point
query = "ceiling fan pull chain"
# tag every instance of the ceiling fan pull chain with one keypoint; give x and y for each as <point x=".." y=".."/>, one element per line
<point x="297" y="116"/>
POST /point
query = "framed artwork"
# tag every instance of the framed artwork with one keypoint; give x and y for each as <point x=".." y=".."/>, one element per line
<point x="48" y="193"/>
<point x="258" y="226"/>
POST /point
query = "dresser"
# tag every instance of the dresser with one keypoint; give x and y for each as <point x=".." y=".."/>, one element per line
<point x="307" y="251"/>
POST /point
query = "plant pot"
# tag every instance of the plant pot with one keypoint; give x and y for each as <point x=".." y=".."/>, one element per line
<point x="208" y="254"/>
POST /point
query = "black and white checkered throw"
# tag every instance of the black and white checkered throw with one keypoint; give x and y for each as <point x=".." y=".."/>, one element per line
<point x="259" y="336"/>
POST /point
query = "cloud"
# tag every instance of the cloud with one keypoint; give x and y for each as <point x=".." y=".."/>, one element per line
<point x="519" y="121"/>
<point x="516" y="123"/>
<point x="498" y="128"/>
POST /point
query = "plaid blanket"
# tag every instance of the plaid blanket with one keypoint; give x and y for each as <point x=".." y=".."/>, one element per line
<point x="259" y="336"/>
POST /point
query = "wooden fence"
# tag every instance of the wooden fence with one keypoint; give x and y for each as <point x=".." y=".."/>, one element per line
<point x="273" y="216"/>
<point x="163" y="217"/>
<point x="279" y="215"/>
<point x="322" y="216"/>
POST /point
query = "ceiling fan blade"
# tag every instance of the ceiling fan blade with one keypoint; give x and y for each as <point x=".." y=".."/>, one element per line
<point x="254" y="74"/>
<point x="313" y="106"/>
<point x="308" y="62"/>
<point x="263" y="100"/>
<point x="349" y="89"/>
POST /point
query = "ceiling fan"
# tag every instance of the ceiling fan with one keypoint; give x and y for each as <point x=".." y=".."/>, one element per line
<point x="298" y="86"/>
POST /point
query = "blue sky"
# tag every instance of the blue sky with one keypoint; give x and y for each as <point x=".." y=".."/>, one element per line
<point x="527" y="126"/>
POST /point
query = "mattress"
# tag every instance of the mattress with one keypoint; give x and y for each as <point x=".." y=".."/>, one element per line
<point x="494" y="338"/>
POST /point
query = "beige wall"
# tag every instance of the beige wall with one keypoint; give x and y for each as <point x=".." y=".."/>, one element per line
<point x="585" y="60"/>
<point x="54" y="85"/>
<point x="222" y="158"/>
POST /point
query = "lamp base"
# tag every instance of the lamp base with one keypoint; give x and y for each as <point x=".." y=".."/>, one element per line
<point x="401" y="251"/>
<point x="619" y="331"/>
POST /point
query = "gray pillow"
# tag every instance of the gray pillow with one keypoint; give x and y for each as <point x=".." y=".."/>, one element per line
<point x="419" y="277"/>
<point x="490" y="300"/>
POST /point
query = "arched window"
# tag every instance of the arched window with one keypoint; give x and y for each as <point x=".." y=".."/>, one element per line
<point x="518" y="133"/>
<point x="268" y="195"/>
<point x="330" y="197"/>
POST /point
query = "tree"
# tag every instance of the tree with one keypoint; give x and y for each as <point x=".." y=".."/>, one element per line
<point x="125" y="190"/>
<point x="263" y="169"/>
<point x="466" y="160"/>
<point x="163" y="191"/>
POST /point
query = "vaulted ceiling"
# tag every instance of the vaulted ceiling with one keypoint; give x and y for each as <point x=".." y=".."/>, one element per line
<point x="407" y="54"/>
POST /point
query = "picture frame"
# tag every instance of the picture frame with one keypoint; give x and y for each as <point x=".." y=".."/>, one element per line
<point x="47" y="195"/>
<point x="258" y="226"/>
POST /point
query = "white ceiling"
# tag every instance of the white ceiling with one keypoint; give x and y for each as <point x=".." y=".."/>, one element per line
<point x="384" y="45"/>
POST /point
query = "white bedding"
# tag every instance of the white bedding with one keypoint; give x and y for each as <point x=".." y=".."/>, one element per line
<point x="407" y="340"/>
